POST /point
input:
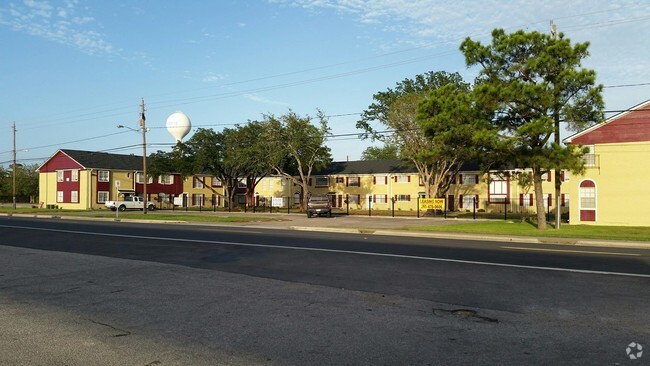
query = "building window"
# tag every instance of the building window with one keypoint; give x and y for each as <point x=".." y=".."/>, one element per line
<point x="353" y="181"/>
<point x="353" y="199"/>
<point x="198" y="183"/>
<point x="103" y="176"/>
<point x="381" y="198"/>
<point x="382" y="180"/>
<point x="565" y="175"/>
<point x="498" y="189"/>
<point x="526" y="200"/>
<point x="591" y="159"/>
<point x="587" y="200"/>
<point x="75" y="175"/>
<point x="74" y="196"/>
<point x="139" y="178"/>
<point x="164" y="197"/>
<point x="469" y="201"/>
<point x="59" y="175"/>
<point x="565" y="199"/>
<point x="402" y="179"/>
<point x="322" y="181"/>
<point x="197" y="200"/>
<point x="102" y="196"/>
<point x="587" y="197"/>
<point x="469" y="178"/>
<point x="241" y="184"/>
<point x="340" y="180"/>
<point x="59" y="196"/>
<point x="166" y="179"/>
<point x="403" y="197"/>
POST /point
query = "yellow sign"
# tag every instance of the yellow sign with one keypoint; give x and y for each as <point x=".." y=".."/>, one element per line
<point x="432" y="203"/>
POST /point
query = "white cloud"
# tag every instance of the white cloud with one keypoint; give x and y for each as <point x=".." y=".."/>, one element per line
<point x="211" y="77"/>
<point x="260" y="99"/>
<point x="55" y="23"/>
<point x="616" y="29"/>
<point x="446" y="20"/>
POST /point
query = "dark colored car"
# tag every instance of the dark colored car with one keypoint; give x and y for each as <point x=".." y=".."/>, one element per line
<point x="319" y="205"/>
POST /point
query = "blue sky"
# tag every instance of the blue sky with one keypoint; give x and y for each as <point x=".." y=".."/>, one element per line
<point x="72" y="70"/>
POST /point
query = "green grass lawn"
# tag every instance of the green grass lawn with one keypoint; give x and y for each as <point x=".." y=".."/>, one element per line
<point x="153" y="215"/>
<point x="518" y="228"/>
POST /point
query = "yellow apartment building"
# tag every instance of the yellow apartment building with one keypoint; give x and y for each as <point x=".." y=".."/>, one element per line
<point x="614" y="189"/>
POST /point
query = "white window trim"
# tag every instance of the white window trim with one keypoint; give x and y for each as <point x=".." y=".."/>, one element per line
<point x="139" y="178"/>
<point x="322" y="177"/>
<point x="469" y="179"/>
<point x="403" y="198"/>
<point x="356" y="180"/>
<point x="102" y="178"/>
<point x="166" y="179"/>
<point x="401" y="179"/>
<point x="100" y="193"/>
<point x="201" y="199"/>
<point x="580" y="190"/>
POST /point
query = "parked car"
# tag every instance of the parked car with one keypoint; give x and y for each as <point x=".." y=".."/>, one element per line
<point x="130" y="203"/>
<point x="319" y="205"/>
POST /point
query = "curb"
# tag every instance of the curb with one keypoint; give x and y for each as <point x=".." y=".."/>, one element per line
<point x="370" y="231"/>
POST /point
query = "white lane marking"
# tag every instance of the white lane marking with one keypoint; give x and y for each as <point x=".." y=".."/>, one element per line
<point x="402" y="256"/>
<point x="573" y="251"/>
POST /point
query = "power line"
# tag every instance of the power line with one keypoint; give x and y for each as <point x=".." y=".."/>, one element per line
<point x="123" y="110"/>
<point x="626" y="85"/>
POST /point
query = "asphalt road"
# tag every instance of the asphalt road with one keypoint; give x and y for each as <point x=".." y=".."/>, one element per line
<point x="79" y="291"/>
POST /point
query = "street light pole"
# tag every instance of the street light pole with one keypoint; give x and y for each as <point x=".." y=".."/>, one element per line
<point x="14" y="167"/>
<point x="144" y="157"/>
<point x="144" y="154"/>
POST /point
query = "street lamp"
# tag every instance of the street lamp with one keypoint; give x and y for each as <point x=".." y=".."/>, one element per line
<point x="144" y="155"/>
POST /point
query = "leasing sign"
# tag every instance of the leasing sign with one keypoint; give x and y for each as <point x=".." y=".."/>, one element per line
<point x="432" y="203"/>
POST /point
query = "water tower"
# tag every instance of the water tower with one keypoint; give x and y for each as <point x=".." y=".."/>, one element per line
<point x="178" y="125"/>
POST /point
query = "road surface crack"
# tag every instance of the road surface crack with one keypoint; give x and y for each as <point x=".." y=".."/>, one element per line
<point x="121" y="332"/>
<point x="467" y="314"/>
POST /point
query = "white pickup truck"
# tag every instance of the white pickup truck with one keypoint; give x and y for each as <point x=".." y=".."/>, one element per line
<point x="129" y="203"/>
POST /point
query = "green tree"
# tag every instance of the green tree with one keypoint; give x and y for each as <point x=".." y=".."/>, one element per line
<point x="5" y="182"/>
<point x="26" y="182"/>
<point x="204" y="153"/>
<point x="457" y="129"/>
<point x="533" y="82"/>
<point x="386" y="152"/>
<point x="397" y="110"/>
<point x="246" y="150"/>
<point x="296" y="147"/>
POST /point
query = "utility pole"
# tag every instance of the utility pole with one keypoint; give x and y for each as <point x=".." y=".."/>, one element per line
<point x="14" y="167"/>
<point x="144" y="156"/>
<point x="556" y="118"/>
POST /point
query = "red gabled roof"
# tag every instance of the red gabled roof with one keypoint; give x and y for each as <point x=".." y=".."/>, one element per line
<point x="632" y="125"/>
<point x="60" y="160"/>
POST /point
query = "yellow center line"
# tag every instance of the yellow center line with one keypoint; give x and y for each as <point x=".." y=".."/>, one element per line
<point x="573" y="251"/>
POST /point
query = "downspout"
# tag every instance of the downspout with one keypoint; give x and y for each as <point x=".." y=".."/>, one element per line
<point x="90" y="189"/>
